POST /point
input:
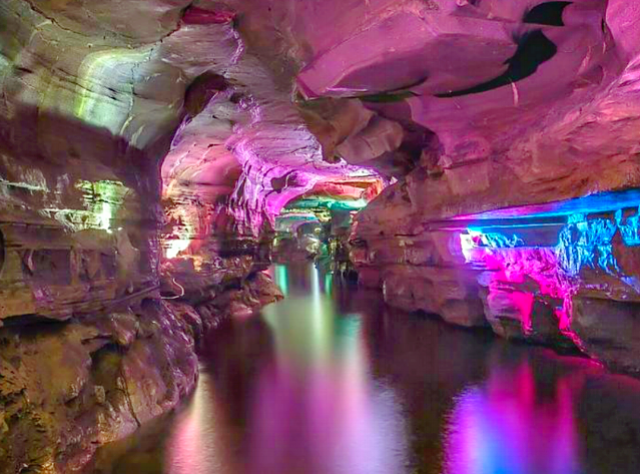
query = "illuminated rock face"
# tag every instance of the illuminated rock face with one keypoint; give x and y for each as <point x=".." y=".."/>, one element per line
<point x="73" y="387"/>
<point x="530" y="128"/>
<point x="146" y="148"/>
<point x="559" y="273"/>
<point x="89" y="112"/>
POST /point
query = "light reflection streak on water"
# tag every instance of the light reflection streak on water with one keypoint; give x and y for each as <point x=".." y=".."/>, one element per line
<point x="200" y="443"/>
<point x="344" y="391"/>
<point x="328" y="283"/>
<point x="282" y="279"/>
<point x="506" y="427"/>
<point x="317" y="405"/>
<point x="322" y="322"/>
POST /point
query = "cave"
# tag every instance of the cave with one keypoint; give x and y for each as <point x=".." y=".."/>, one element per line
<point x="304" y="236"/>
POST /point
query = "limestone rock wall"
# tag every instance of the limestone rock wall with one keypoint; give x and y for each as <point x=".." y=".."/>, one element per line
<point x="66" y="389"/>
<point x="562" y="274"/>
<point x="147" y="146"/>
<point x="95" y="336"/>
<point x="431" y="241"/>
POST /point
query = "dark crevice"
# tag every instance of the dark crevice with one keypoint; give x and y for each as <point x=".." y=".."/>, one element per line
<point x="534" y="49"/>
<point x="387" y="97"/>
<point x="548" y="13"/>
<point x="109" y="348"/>
<point x="31" y="320"/>
<point x="202" y="90"/>
<point x="417" y="83"/>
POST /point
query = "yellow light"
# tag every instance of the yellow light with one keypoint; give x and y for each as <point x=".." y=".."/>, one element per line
<point x="175" y="247"/>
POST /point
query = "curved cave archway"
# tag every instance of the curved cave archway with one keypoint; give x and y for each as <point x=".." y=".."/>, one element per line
<point x="489" y="162"/>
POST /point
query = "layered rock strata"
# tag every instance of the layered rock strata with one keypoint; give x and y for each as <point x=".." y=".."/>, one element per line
<point x="146" y="148"/>
<point x="98" y="330"/>
<point x="563" y="274"/>
<point x="67" y="388"/>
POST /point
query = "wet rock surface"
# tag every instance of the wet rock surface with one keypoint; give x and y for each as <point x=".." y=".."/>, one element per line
<point x="562" y="274"/>
<point x="146" y="148"/>
<point x="89" y="349"/>
<point x="67" y="388"/>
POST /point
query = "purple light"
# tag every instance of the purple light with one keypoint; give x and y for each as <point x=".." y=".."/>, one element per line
<point x="518" y="269"/>
<point x="506" y="427"/>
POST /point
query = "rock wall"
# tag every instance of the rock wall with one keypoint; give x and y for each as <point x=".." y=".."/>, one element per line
<point x="146" y="148"/>
<point x="67" y="388"/>
<point x="562" y="271"/>
<point x="98" y="329"/>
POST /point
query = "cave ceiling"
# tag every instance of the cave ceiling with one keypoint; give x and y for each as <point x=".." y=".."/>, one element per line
<point x="242" y="106"/>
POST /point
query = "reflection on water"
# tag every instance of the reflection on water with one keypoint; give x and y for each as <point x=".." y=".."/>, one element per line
<point x="316" y="398"/>
<point x="330" y="382"/>
<point x="504" y="426"/>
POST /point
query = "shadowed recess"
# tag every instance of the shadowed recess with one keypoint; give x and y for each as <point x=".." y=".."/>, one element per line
<point x="534" y="49"/>
<point x="548" y="13"/>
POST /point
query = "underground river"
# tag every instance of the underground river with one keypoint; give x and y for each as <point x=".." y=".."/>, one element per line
<point x="330" y="381"/>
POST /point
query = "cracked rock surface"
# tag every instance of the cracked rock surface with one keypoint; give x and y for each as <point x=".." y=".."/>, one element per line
<point x="147" y="146"/>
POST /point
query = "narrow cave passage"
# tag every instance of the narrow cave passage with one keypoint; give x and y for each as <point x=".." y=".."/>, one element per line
<point x="319" y="236"/>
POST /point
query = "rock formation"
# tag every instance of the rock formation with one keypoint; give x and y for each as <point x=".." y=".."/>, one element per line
<point x="147" y="147"/>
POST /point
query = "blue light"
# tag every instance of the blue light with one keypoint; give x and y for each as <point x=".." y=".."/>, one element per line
<point x="581" y="242"/>
<point x="629" y="229"/>
<point x="593" y="204"/>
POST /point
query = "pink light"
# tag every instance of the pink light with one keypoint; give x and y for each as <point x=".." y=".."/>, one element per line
<point x="316" y="410"/>
<point x="532" y="271"/>
<point x="507" y="427"/>
<point x="200" y="16"/>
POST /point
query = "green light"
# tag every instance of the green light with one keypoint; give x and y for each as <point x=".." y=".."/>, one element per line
<point x="282" y="279"/>
<point x="101" y="201"/>
<point x="323" y="202"/>
<point x="105" y="217"/>
<point x="328" y="283"/>
<point x="93" y="80"/>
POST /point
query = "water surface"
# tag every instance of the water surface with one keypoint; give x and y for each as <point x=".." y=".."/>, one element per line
<point x="330" y="381"/>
